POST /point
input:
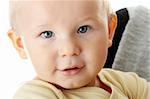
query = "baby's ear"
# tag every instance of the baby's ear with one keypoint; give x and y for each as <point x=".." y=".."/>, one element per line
<point x="112" y="23"/>
<point x="17" y="43"/>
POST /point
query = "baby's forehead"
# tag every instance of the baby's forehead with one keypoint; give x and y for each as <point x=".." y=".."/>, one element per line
<point x="16" y="5"/>
<point x="26" y="8"/>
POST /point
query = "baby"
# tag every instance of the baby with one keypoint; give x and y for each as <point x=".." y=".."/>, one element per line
<point x="67" y="43"/>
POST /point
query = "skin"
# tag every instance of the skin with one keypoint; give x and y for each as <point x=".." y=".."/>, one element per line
<point x="69" y="59"/>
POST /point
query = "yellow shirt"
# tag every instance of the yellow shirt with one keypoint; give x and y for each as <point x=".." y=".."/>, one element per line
<point x="123" y="85"/>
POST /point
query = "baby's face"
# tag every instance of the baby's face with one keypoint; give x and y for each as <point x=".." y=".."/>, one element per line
<point x="67" y="41"/>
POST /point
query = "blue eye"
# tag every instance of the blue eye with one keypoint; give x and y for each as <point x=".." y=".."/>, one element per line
<point x="84" y="29"/>
<point x="47" y="34"/>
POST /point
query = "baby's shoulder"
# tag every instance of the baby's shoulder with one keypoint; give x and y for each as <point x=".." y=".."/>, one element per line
<point x="36" y="88"/>
<point x="116" y="74"/>
<point x="127" y="82"/>
<point x="121" y="78"/>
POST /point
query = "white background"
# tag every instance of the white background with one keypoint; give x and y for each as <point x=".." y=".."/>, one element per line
<point x="13" y="70"/>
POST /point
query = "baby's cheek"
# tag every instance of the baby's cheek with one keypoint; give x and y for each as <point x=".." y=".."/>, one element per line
<point x="52" y="57"/>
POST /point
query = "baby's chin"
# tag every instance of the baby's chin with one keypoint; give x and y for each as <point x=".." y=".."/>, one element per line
<point x="66" y="87"/>
<point x="70" y="84"/>
<point x="62" y="86"/>
<point x="74" y="85"/>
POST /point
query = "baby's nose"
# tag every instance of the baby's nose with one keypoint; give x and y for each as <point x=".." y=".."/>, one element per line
<point x="69" y="48"/>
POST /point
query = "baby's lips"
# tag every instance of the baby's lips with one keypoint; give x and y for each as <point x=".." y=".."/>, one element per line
<point x="72" y="70"/>
<point x="71" y="67"/>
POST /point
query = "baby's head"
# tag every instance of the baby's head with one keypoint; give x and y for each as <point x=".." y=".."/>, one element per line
<point x="66" y="41"/>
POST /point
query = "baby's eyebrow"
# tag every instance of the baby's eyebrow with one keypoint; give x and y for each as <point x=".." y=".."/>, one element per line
<point x="39" y="27"/>
<point x="89" y="17"/>
<point x="95" y="18"/>
<point x="42" y="25"/>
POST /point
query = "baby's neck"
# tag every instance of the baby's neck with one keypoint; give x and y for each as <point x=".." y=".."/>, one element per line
<point x="100" y="84"/>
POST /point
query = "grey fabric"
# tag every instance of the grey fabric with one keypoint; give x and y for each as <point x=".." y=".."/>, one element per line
<point x="133" y="53"/>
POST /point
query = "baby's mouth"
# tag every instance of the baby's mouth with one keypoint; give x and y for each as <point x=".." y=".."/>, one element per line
<point x="71" y="71"/>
